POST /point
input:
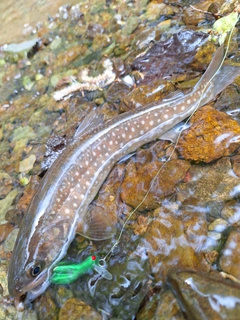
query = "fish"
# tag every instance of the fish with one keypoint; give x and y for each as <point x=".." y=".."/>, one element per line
<point x="59" y="209"/>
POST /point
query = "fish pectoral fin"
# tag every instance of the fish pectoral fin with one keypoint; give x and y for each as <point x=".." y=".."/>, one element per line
<point x="96" y="226"/>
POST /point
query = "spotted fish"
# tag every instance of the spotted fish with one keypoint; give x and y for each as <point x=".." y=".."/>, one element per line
<point x="60" y="207"/>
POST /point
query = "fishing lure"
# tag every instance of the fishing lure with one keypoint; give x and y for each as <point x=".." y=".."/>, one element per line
<point x="65" y="272"/>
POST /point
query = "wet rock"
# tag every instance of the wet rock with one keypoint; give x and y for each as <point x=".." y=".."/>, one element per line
<point x="28" y="83"/>
<point x="47" y="308"/>
<point x="19" y="146"/>
<point x="130" y="26"/>
<point x="161" y="306"/>
<point x="203" y="296"/>
<point x="218" y="225"/>
<point x="78" y="310"/>
<point x="10" y="241"/>
<point x="23" y="132"/>
<point x="138" y="179"/>
<point x="236" y="165"/>
<point x="6" y="203"/>
<point x="145" y="94"/>
<point x="174" y="240"/>
<point x="230" y="256"/>
<point x="5" y="184"/>
<point x="221" y="184"/>
<point x="212" y="135"/>
<point x="100" y="41"/>
<point x="194" y="17"/>
<point x="231" y="212"/>
<point x="55" y="43"/>
<point x="70" y="55"/>
<point x="155" y="10"/>
<point x="169" y="58"/>
<point x="5" y="229"/>
<point x="27" y="164"/>
<point x="3" y="277"/>
<point x="62" y="295"/>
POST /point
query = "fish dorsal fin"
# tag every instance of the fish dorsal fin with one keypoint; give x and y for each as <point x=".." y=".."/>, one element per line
<point x="89" y="123"/>
<point x="96" y="226"/>
<point x="178" y="94"/>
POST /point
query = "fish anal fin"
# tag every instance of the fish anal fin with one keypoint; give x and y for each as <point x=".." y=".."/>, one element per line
<point x="96" y="225"/>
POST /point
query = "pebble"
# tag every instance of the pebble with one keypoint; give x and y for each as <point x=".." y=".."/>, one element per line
<point x="27" y="164"/>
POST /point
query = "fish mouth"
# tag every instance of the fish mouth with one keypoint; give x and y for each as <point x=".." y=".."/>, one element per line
<point x="37" y="287"/>
<point x="34" y="289"/>
<point x="35" y="292"/>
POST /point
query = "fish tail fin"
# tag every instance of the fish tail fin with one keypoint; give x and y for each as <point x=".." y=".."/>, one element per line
<point x="216" y="78"/>
<point x="225" y="76"/>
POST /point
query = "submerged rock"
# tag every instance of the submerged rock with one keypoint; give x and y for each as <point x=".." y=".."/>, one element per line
<point x="174" y="240"/>
<point x="229" y="261"/>
<point x="138" y="180"/>
<point x="201" y="296"/>
<point x="75" y="309"/>
<point x="161" y="306"/>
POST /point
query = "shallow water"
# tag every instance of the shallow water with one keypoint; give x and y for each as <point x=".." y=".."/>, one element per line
<point x="190" y="220"/>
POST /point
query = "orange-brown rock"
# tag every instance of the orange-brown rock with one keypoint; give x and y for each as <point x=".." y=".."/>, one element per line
<point x="212" y="135"/>
<point x="138" y="179"/>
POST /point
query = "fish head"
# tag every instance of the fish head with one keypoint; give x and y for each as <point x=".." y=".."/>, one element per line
<point x="29" y="269"/>
<point x="38" y="248"/>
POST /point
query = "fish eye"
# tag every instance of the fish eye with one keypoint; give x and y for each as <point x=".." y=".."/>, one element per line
<point x="34" y="270"/>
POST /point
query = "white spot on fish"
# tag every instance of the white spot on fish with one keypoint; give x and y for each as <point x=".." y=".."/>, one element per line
<point x="75" y="205"/>
<point x="183" y="107"/>
<point x="151" y="123"/>
<point x="188" y="101"/>
<point x="67" y="210"/>
<point x="166" y="116"/>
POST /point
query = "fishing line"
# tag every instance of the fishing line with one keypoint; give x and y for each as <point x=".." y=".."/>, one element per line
<point x="103" y="260"/>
